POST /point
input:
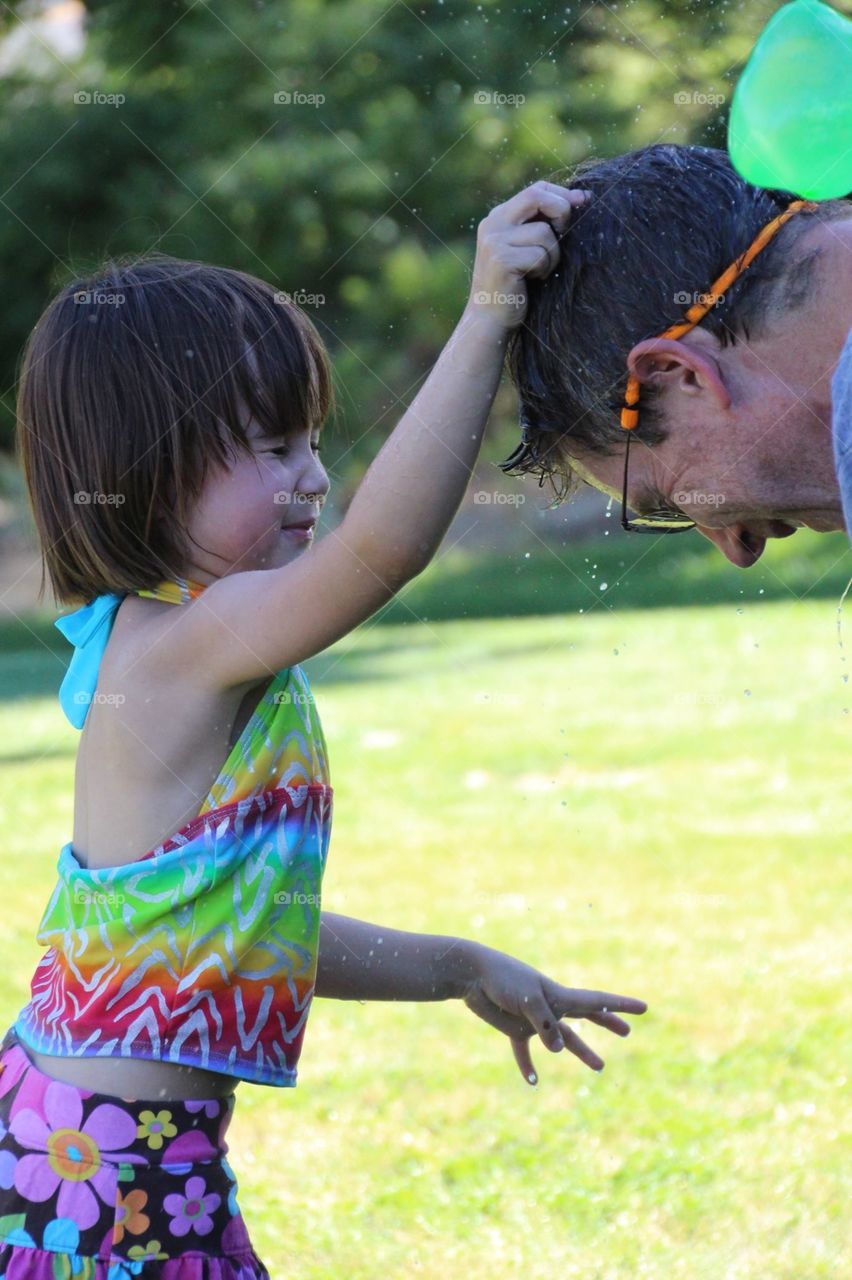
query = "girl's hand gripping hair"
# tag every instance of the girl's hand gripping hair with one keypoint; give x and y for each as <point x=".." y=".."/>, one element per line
<point x="515" y="241"/>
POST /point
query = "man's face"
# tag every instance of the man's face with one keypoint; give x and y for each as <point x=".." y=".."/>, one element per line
<point x="748" y="452"/>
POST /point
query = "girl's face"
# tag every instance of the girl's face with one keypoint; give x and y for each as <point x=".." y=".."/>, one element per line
<point x="261" y="511"/>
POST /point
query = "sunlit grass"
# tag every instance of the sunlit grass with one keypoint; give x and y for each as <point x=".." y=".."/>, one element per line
<point x="653" y="803"/>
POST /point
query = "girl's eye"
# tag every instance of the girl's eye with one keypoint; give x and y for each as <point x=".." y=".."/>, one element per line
<point x="282" y="450"/>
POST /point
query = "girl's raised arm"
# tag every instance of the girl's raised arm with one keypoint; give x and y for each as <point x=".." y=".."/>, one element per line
<point x="250" y="624"/>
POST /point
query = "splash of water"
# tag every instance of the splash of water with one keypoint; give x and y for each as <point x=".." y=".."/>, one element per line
<point x="840" y="634"/>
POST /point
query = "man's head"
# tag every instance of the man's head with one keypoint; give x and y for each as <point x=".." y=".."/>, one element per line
<point x="734" y="418"/>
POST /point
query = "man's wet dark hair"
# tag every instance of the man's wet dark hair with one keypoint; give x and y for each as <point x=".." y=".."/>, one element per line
<point x="662" y="224"/>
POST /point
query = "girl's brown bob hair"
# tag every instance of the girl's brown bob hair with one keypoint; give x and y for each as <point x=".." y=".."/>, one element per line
<point x="132" y="382"/>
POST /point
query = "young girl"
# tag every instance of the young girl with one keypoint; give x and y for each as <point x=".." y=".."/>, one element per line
<point x="168" y="424"/>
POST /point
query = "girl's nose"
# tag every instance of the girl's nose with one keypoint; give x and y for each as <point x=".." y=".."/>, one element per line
<point x="315" y="479"/>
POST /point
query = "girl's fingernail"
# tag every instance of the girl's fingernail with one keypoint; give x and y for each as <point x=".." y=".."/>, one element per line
<point x="532" y="1077"/>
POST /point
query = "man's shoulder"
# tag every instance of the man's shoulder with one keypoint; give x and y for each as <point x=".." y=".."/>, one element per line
<point x="841" y="398"/>
<point x="841" y="426"/>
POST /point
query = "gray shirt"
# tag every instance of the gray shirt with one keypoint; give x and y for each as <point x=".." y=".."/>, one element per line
<point x="841" y="425"/>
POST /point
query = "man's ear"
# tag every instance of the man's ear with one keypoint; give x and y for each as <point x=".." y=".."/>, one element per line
<point x="663" y="362"/>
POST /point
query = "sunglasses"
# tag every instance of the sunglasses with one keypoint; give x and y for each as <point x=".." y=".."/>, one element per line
<point x="652" y="521"/>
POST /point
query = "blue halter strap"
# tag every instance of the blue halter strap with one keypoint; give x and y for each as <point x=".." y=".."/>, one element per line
<point x="88" y="629"/>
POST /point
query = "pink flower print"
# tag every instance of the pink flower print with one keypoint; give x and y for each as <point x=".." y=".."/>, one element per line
<point x="76" y="1156"/>
<point x="30" y="1095"/>
<point x="191" y="1211"/>
<point x="12" y="1067"/>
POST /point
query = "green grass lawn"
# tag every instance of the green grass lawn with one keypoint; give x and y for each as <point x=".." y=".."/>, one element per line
<point x="656" y="803"/>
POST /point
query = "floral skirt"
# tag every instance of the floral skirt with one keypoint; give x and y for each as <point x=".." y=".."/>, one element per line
<point x="96" y="1187"/>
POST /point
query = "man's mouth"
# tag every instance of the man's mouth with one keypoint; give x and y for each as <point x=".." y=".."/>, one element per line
<point x="754" y="544"/>
<point x="780" y="528"/>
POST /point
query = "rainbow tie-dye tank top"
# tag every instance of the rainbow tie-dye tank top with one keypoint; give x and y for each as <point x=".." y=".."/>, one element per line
<point x="204" y="950"/>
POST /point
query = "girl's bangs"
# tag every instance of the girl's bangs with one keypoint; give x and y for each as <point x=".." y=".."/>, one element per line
<point x="282" y="377"/>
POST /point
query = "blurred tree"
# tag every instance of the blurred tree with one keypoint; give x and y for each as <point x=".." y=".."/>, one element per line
<point x="347" y="149"/>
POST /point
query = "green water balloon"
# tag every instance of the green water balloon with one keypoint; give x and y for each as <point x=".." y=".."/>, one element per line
<point x="791" y="117"/>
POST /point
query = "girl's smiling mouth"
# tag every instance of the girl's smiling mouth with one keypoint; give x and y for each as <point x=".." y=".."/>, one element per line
<point x="301" y="529"/>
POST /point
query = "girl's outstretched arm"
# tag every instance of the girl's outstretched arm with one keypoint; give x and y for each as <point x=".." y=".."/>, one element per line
<point x="361" y="961"/>
<point x="251" y="624"/>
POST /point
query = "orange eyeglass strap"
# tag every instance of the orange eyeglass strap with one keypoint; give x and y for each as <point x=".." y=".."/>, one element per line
<point x="697" y="312"/>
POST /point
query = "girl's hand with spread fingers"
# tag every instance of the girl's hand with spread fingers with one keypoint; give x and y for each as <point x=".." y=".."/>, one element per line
<point x="518" y="238"/>
<point x="521" y="1002"/>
